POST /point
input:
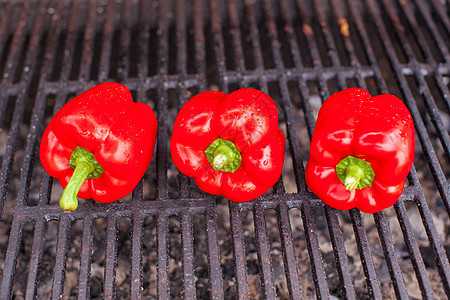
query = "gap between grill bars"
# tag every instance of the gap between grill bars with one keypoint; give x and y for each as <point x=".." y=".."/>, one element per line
<point x="170" y="240"/>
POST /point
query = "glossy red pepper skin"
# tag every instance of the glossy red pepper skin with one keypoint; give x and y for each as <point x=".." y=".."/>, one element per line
<point x="249" y="119"/>
<point x="105" y="121"/>
<point x="378" y="130"/>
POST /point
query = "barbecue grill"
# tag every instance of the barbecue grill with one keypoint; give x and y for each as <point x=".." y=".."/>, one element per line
<point x="170" y="240"/>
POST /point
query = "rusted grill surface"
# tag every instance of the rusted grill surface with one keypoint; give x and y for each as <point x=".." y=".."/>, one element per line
<point x="170" y="240"/>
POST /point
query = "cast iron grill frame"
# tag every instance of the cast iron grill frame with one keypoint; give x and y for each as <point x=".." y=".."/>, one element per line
<point x="34" y="82"/>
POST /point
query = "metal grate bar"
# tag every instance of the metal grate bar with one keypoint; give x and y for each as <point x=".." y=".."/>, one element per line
<point x="29" y="13"/>
<point x="294" y="143"/>
<point x="37" y="115"/>
<point x="180" y="12"/>
<point x="426" y="14"/>
<point x="61" y="257"/>
<point x="263" y="249"/>
<point x="234" y="29"/>
<point x="88" y="42"/>
<point x="143" y="43"/>
<point x="335" y="232"/>
<point x="433" y="112"/>
<point x="181" y="71"/>
<point x="368" y="49"/>
<point x="188" y="256"/>
<point x="315" y="56"/>
<point x="7" y="22"/>
<point x="163" y="263"/>
<point x="15" y="237"/>
<point x="218" y="44"/>
<point x="289" y="255"/>
<point x="70" y="43"/>
<point x="35" y="258"/>
<point x="143" y="39"/>
<point x="335" y="61"/>
<point x="136" y="256"/>
<point x="315" y="255"/>
<point x="389" y="252"/>
<point x="60" y="100"/>
<point x="136" y="243"/>
<point x="192" y="80"/>
<point x="62" y="55"/>
<point x="256" y="45"/>
<point x="186" y="217"/>
<point x="30" y="150"/>
<point x="287" y="105"/>
<point x="262" y="241"/>
<point x="240" y="266"/>
<point x="313" y="48"/>
<point x="413" y="249"/>
<point x="341" y="258"/>
<point x="365" y="254"/>
<point x="308" y="218"/>
<point x="215" y="269"/>
<point x="439" y="252"/>
<point x="30" y="64"/>
<point x="443" y="88"/>
<point x="109" y="284"/>
<point x="431" y="105"/>
<point x="8" y="76"/>
<point x="199" y="39"/>
<point x="313" y="245"/>
<point x="441" y="261"/>
<point x="123" y="59"/>
<point x="7" y="17"/>
<point x="330" y="41"/>
<point x="441" y="11"/>
<point x="419" y="125"/>
<point x="31" y="147"/>
<point x="302" y="87"/>
<point x="163" y="57"/>
<point x="107" y="42"/>
<point x="161" y="145"/>
<point x="336" y="7"/>
<point x="411" y="244"/>
<point x="436" y="244"/>
<point x="102" y="211"/>
<point x="85" y="259"/>
<point x="45" y="190"/>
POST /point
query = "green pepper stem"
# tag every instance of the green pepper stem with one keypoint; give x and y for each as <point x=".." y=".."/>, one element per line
<point x="355" y="173"/>
<point x="69" y="199"/>
<point x="85" y="166"/>
<point x="223" y="156"/>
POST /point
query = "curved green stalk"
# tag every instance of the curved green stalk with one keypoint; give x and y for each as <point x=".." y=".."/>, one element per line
<point x="85" y="167"/>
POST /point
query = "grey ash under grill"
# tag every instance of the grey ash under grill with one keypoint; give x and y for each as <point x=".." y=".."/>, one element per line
<point x="170" y="240"/>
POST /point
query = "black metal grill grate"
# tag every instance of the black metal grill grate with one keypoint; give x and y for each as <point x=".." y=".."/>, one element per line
<point x="170" y="240"/>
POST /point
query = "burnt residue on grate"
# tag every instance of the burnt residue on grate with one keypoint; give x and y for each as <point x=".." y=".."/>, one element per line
<point x="170" y="240"/>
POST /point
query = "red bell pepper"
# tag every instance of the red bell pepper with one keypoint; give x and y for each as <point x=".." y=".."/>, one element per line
<point x="230" y="144"/>
<point x="99" y="144"/>
<point x="361" y="151"/>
